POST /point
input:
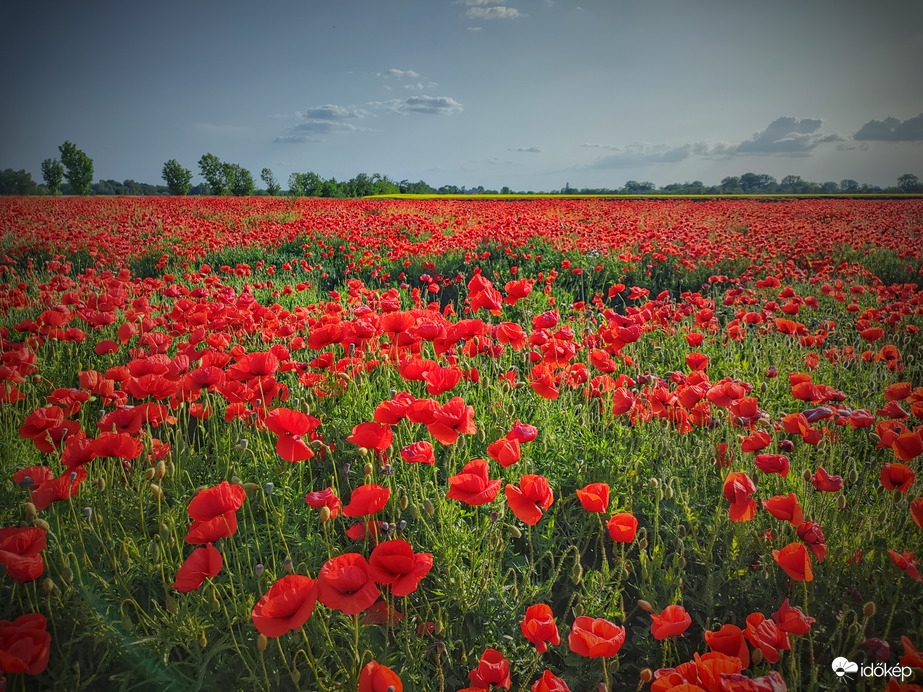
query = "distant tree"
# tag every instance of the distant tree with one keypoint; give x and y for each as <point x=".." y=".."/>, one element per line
<point x="52" y="174"/>
<point x="758" y="183"/>
<point x="829" y="187"/>
<point x="178" y="179"/>
<point x="849" y="185"/>
<point x="212" y="170"/>
<point x="296" y="185"/>
<point x="272" y="187"/>
<point x="382" y="185"/>
<point x="238" y="180"/>
<point x="633" y="187"/>
<point x="79" y="168"/>
<point x="909" y="183"/>
<point x="17" y="182"/>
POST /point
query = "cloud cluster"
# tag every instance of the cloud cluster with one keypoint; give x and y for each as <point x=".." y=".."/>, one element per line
<point x="787" y="135"/>
<point x="537" y="149"/>
<point x="892" y="130"/>
<point x="488" y="9"/>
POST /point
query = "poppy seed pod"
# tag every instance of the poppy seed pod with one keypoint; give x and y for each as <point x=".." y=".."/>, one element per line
<point x="48" y="585"/>
<point x="841" y="502"/>
<point x="646" y="675"/>
<point x="869" y="609"/>
<point x="428" y="506"/>
<point x="645" y="606"/>
<point x="42" y="524"/>
<point x="262" y="642"/>
<point x="157" y="491"/>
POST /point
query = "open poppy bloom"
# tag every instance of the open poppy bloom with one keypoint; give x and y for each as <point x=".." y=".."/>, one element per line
<point x="202" y="564"/>
<point x="452" y="419"/>
<point x="378" y="678"/>
<point x="595" y="637"/>
<point x="292" y="427"/>
<point x="418" y="453"/>
<point x="790" y="619"/>
<point x="549" y="682"/>
<point x="773" y="463"/>
<point x="904" y="560"/>
<point x="286" y="606"/>
<point x="813" y="537"/>
<point x="25" y="644"/>
<point x="493" y="670"/>
<point x="897" y="476"/>
<point x="371" y="436"/>
<point x="324" y="498"/>
<point x="21" y="552"/>
<point x="786" y="508"/>
<point x="367" y="499"/>
<point x="826" y="482"/>
<point x="729" y="640"/>
<point x="394" y="563"/>
<point x="795" y="561"/>
<point x="672" y="621"/>
<point x="766" y="636"/>
<point x="505" y="451"/>
<point x="594" y="497"/>
<point x="530" y="498"/>
<point x="214" y="513"/>
<point x="345" y="583"/>
<point x="473" y="485"/>
<point x="539" y="628"/>
<point x="622" y="527"/>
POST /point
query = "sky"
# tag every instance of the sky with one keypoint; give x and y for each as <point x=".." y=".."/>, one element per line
<point x="530" y="94"/>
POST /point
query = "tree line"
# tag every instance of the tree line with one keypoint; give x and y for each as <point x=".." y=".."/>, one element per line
<point x="225" y="178"/>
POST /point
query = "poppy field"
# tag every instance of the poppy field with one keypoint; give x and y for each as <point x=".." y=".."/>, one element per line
<point x="443" y="445"/>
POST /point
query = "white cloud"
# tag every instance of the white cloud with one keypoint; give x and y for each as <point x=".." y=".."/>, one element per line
<point x="399" y="74"/>
<point x="537" y="149"/>
<point x="495" y="12"/>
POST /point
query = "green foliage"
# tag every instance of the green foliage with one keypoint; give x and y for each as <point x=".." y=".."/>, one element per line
<point x="53" y="174"/>
<point x="79" y="168"/>
<point x="212" y="170"/>
<point x="17" y="183"/>
<point x="178" y="179"/>
<point x="272" y="187"/>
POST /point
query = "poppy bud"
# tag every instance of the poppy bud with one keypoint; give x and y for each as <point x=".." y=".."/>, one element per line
<point x="251" y="488"/>
<point x="438" y="627"/>
<point x="869" y="609"/>
<point x="482" y="436"/>
<point x="515" y="532"/>
<point x="642" y="543"/>
<point x="203" y="640"/>
<point x="578" y="610"/>
<point x="403" y="502"/>
<point x="67" y="574"/>
<point x="646" y="675"/>
<point x="241" y="444"/>
<point x="807" y="475"/>
<point x="156" y="491"/>
<point x="414" y="512"/>
<point x="363" y="452"/>
<point x="171" y="605"/>
<point x="261" y="643"/>
<point x="852" y="476"/>
<point x="42" y="524"/>
<point x="288" y="566"/>
<point x="258" y="569"/>
<point x="368" y="468"/>
<point x="160" y="469"/>
<point x="668" y="492"/>
<point x="269" y="487"/>
<point x="149" y="474"/>
<point x="47" y="585"/>
<point x="428" y="507"/>
<point x="126" y="621"/>
<point x="756" y="657"/>
<point x="841" y="502"/>
<point x="655" y="483"/>
<point x="325" y="514"/>
<point x="100" y="483"/>
<point x="30" y="510"/>
<point x="645" y="606"/>
<point x="576" y="573"/>
<point x="659" y="494"/>
<point x="153" y="550"/>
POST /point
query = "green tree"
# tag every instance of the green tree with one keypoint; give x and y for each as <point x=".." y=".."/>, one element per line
<point x="178" y="179"/>
<point x="212" y="170"/>
<point x="237" y="180"/>
<point x="272" y="187"/>
<point x="849" y="185"/>
<point x="52" y="174"/>
<point x="17" y="182"/>
<point x="909" y="183"/>
<point x="79" y="168"/>
<point x="296" y="185"/>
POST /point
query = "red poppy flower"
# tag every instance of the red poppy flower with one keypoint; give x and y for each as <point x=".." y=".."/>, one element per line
<point x="911" y="656"/>
<point x="791" y="619"/>
<point x="522" y="432"/>
<point x="897" y="476"/>
<point x="512" y="334"/>
<point x="452" y="419"/>
<point x="367" y="499"/>
<point x="371" y="436"/>
<point x="394" y="563"/>
<point x="916" y="511"/>
<point x="530" y="498"/>
<point x="20" y="552"/>
<point x="737" y="490"/>
<point x="203" y="563"/>
<point x="594" y="497"/>
<point x="214" y="513"/>
<point x="622" y="401"/>
<point x="539" y="628"/>
<point x="825" y="482"/>
<point x="292" y="427"/>
<point x="418" y="453"/>
<point x="767" y="637"/>
<point x="543" y="383"/>
<point x="812" y="535"/>
<point x="25" y="644"/>
<point x="286" y="606"/>
<point x="697" y="362"/>
<point x="118" y="445"/>
<point x="505" y="451"/>
<point x="756" y="441"/>
<point x="672" y="621"/>
<point x="773" y="463"/>
<point x="549" y="682"/>
<point x="393" y="411"/>
<point x="908" y="445"/>
<point x="440" y="380"/>
<point x="493" y="670"/>
<point x="378" y="678"/>
<point x="595" y="637"/>
<point x="622" y="527"/>
<point x="786" y="508"/>
<point x="324" y="498"/>
<point x="904" y="560"/>
<point x="57" y="489"/>
<point x="795" y="561"/>
<point x="345" y="583"/>
<point x="473" y="485"/>
<point x="729" y="640"/>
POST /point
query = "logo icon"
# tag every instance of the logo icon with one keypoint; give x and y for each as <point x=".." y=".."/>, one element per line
<point x="841" y="666"/>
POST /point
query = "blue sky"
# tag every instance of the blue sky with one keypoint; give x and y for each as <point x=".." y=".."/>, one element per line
<point x="531" y="94"/>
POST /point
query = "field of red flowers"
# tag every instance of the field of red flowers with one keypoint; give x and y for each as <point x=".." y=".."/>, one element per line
<point x="385" y="445"/>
